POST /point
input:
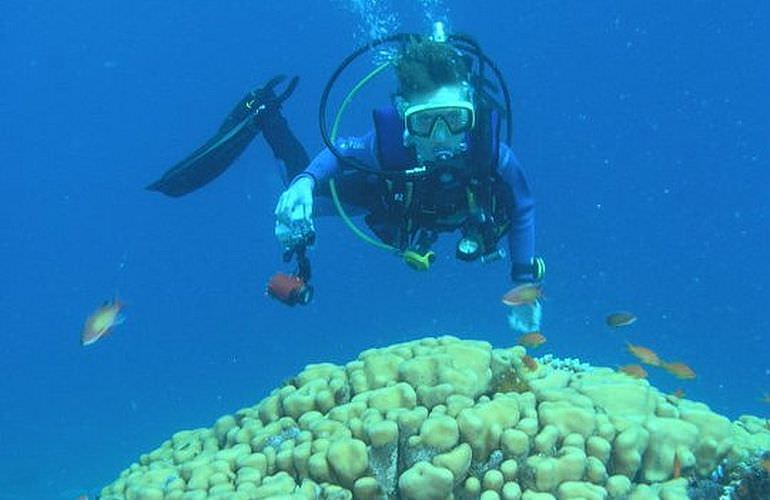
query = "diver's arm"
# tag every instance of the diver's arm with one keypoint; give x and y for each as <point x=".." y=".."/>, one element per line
<point x="323" y="167"/>
<point x="326" y="166"/>
<point x="521" y="236"/>
<point x="308" y="193"/>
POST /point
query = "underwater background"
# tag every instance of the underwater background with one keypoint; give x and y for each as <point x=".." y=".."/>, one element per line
<point x="644" y="127"/>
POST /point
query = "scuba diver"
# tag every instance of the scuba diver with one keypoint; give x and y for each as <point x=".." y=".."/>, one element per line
<point x="433" y="163"/>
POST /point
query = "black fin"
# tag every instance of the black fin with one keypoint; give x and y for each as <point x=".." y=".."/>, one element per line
<point x="259" y="108"/>
<point x="208" y="161"/>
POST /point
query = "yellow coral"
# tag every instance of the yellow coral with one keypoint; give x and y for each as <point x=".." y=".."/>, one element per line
<point x="442" y="417"/>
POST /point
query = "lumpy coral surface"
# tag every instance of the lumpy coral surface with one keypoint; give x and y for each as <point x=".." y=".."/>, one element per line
<point x="442" y="418"/>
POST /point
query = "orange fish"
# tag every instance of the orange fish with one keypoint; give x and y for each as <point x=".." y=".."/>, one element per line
<point x="526" y="293"/>
<point x="531" y="340"/>
<point x="677" y="472"/>
<point x="636" y="371"/>
<point x="102" y="321"/>
<point x="679" y="393"/>
<point x="529" y="362"/>
<point x="643" y="354"/>
<point x="679" y="370"/>
<point x="620" y="318"/>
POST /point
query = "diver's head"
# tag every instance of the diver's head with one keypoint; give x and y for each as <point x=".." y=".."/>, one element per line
<point x="435" y="99"/>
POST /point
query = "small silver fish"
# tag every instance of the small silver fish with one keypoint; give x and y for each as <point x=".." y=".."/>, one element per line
<point x="620" y="318"/>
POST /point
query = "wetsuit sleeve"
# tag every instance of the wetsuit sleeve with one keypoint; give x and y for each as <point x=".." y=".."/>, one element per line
<point x="326" y="166"/>
<point x="521" y="236"/>
<point x="355" y="189"/>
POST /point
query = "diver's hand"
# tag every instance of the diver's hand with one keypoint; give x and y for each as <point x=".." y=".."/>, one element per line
<point x="525" y="318"/>
<point x="296" y="203"/>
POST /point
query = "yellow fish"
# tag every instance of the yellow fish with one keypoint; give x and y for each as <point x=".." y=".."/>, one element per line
<point x="102" y="321"/>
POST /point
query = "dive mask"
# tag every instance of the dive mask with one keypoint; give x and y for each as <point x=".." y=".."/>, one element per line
<point x="421" y="119"/>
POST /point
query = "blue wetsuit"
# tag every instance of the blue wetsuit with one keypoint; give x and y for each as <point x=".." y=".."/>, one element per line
<point x="520" y="203"/>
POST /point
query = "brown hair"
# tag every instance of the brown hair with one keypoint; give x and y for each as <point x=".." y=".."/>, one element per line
<point x="425" y="65"/>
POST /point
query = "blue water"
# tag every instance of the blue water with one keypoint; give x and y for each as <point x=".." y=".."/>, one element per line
<point x="644" y="127"/>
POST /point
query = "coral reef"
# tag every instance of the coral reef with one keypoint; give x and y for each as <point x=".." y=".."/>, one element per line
<point x="750" y="479"/>
<point x="444" y="418"/>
